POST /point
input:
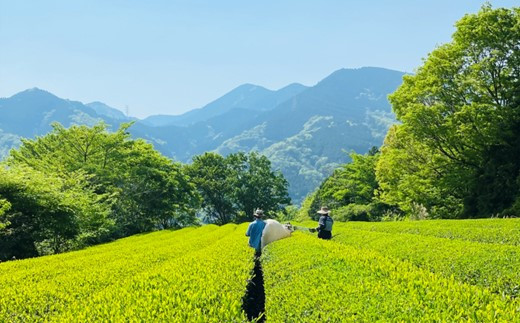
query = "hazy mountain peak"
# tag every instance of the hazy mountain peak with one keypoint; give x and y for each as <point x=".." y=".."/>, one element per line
<point x="34" y="90"/>
<point x="352" y="81"/>
<point x="248" y="87"/>
<point x="35" y="93"/>
<point x="368" y="72"/>
<point x="31" y="112"/>
<point x="98" y="103"/>
<point x="246" y="96"/>
<point x="293" y="87"/>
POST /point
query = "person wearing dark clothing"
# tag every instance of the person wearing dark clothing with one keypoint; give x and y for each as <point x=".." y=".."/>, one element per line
<point x="255" y="230"/>
<point x="325" y="224"/>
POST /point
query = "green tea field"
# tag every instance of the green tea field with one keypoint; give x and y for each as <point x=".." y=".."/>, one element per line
<point x="430" y="271"/>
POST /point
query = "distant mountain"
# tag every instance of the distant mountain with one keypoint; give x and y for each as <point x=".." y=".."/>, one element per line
<point x="105" y="110"/>
<point x="347" y="94"/>
<point x="305" y="131"/>
<point x="308" y="135"/>
<point x="246" y="96"/>
<point x="30" y="113"/>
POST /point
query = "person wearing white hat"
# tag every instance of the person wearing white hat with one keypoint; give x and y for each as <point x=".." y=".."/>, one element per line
<point x="325" y="224"/>
<point x="254" y="231"/>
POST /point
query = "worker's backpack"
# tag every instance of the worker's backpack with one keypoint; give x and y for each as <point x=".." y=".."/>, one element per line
<point x="328" y="223"/>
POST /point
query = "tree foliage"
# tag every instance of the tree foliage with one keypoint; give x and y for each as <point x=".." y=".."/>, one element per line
<point x="90" y="165"/>
<point x="456" y="152"/>
<point x="212" y="175"/>
<point x="150" y="189"/>
<point x="257" y="185"/>
<point x="350" y="192"/>
<point x="233" y="187"/>
<point x="47" y="213"/>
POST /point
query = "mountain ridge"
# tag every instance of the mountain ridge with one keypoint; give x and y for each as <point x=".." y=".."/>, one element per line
<point x="305" y="131"/>
<point x="250" y="96"/>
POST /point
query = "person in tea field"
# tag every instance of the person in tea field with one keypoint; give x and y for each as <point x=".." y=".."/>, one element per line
<point x="324" y="224"/>
<point x="254" y="231"/>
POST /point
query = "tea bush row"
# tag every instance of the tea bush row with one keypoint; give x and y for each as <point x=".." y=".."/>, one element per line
<point x="311" y="280"/>
<point x="494" y="266"/>
<point x="196" y="275"/>
<point x="502" y="231"/>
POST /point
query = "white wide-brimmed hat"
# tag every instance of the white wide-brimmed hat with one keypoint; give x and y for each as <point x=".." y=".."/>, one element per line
<point x="258" y="213"/>
<point x="324" y="210"/>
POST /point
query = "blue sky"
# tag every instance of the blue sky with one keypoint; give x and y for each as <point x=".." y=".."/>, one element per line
<point x="167" y="57"/>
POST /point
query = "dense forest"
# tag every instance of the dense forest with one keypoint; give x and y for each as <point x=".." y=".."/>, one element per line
<point x="455" y="152"/>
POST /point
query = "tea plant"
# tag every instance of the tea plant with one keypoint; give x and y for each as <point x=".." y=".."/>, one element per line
<point x="310" y="280"/>
<point x="494" y="266"/>
<point x="196" y="275"/>
<point x="503" y="231"/>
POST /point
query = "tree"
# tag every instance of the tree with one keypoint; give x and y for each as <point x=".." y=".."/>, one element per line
<point x="43" y="214"/>
<point x="4" y="207"/>
<point x="233" y="187"/>
<point x="257" y="186"/>
<point x="212" y="175"/>
<point x="153" y="191"/>
<point x="306" y="212"/>
<point x="92" y="149"/>
<point x="290" y="213"/>
<point x="461" y="112"/>
<point x="149" y="190"/>
<point x="350" y="192"/>
<point x="411" y="177"/>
